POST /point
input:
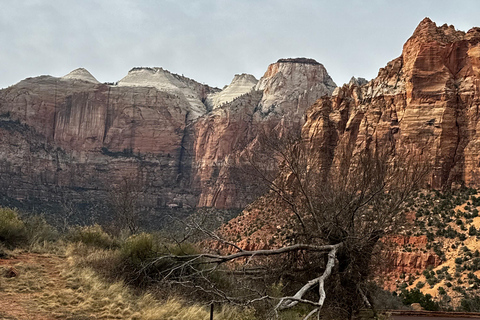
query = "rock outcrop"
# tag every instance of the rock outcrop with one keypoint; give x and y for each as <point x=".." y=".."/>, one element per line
<point x="426" y="100"/>
<point x="280" y="98"/>
<point x="292" y="85"/>
<point x="240" y="85"/>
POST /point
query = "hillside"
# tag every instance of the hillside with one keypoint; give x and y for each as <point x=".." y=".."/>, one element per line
<point x="449" y="226"/>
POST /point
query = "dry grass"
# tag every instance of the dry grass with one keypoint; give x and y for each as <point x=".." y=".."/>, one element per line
<point x="51" y="286"/>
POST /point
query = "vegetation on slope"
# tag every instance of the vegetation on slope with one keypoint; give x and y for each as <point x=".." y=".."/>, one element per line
<point x="450" y="222"/>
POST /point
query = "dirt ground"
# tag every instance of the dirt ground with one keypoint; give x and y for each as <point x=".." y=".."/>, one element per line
<point x="36" y="274"/>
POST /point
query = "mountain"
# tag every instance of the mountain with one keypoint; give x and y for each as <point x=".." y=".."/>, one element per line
<point x="426" y="100"/>
<point x="280" y="98"/>
<point x="70" y="141"/>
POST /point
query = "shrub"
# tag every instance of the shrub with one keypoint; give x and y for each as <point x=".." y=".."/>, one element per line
<point x="139" y="248"/>
<point x="416" y="296"/>
<point x="12" y="228"/>
<point x="472" y="231"/>
<point x="92" y="236"/>
<point x="38" y="230"/>
<point x="470" y="304"/>
<point x="420" y="284"/>
<point x="145" y="259"/>
<point x="432" y="281"/>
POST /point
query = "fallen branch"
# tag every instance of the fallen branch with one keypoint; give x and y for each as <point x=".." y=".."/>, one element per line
<point x="289" y="302"/>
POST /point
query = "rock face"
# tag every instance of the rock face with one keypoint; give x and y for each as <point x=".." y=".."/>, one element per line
<point x="280" y="99"/>
<point x="73" y="139"/>
<point x="292" y="85"/>
<point x="427" y="99"/>
<point x="165" y="81"/>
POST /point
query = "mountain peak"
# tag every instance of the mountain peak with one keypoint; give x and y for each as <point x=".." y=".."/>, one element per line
<point x="240" y="85"/>
<point x="429" y="31"/>
<point x="164" y="80"/>
<point x="81" y="74"/>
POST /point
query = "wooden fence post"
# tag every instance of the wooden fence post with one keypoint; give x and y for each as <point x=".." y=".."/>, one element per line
<point x="211" y="311"/>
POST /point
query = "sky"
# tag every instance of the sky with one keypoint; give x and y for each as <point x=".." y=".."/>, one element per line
<point x="211" y="40"/>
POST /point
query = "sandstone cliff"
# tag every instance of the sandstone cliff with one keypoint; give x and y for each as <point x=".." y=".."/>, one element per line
<point x="280" y="98"/>
<point x="427" y="99"/>
<point x="73" y="139"/>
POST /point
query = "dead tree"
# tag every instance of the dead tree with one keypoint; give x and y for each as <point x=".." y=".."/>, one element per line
<point x="341" y="207"/>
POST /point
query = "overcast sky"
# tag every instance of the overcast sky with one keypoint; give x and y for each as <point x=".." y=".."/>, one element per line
<point x="211" y="40"/>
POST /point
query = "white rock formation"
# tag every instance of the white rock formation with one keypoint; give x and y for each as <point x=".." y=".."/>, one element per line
<point x="80" y="74"/>
<point x="240" y="85"/>
<point x="165" y="81"/>
<point x="292" y="85"/>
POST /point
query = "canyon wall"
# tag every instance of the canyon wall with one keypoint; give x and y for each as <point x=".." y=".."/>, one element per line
<point x="73" y="140"/>
<point x="425" y="100"/>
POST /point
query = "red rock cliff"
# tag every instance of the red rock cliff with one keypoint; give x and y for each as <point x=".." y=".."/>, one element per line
<point x="427" y="99"/>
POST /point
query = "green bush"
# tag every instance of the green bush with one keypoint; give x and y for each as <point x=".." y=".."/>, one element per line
<point x="472" y="231"/>
<point x="12" y="228"/>
<point x="470" y="304"/>
<point x="146" y="259"/>
<point x="92" y="236"/>
<point x="38" y="230"/>
<point x="416" y="296"/>
<point x="140" y="248"/>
